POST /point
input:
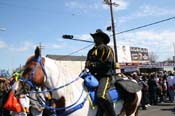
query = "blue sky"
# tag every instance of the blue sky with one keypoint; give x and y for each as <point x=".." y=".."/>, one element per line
<point x="30" y="22"/>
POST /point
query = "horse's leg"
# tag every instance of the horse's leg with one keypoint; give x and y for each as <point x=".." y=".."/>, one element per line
<point x="136" y="113"/>
<point x="122" y="112"/>
<point x="130" y="101"/>
<point x="130" y="104"/>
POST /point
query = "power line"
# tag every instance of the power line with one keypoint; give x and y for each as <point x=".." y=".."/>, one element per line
<point x="132" y="29"/>
<point x="80" y="49"/>
<point x="147" y="25"/>
<point x="76" y="51"/>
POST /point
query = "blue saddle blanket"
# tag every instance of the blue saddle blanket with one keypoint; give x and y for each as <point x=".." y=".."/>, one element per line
<point x="113" y="94"/>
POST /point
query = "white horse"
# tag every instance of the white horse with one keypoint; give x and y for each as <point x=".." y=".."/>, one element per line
<point x="68" y="88"/>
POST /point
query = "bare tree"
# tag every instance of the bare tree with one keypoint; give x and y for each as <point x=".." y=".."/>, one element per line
<point x="153" y="57"/>
<point x="168" y="60"/>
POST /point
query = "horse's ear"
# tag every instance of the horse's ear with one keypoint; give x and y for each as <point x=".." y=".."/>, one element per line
<point x="37" y="52"/>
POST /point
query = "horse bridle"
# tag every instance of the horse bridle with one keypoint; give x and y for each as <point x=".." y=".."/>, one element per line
<point x="29" y="80"/>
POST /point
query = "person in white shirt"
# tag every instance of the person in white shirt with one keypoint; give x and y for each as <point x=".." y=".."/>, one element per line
<point x="171" y="84"/>
<point x="25" y="102"/>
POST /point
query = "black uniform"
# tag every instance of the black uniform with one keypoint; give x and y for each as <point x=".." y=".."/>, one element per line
<point x="100" y="62"/>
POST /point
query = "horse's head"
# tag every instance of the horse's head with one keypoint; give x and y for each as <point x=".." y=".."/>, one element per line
<point x="33" y="73"/>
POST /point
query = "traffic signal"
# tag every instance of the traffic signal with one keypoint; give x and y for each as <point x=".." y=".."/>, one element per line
<point x="68" y="36"/>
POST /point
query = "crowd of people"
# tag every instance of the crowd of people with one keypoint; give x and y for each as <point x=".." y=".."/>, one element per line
<point x="29" y="103"/>
<point x="157" y="87"/>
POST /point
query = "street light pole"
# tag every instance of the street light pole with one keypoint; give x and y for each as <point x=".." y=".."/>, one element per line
<point x="113" y="30"/>
<point x="71" y="37"/>
<point x="174" y="52"/>
<point x="109" y="2"/>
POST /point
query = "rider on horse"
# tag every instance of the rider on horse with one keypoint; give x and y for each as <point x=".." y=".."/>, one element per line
<point x="100" y="62"/>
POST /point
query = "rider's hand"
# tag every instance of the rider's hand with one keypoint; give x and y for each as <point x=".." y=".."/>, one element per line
<point x="90" y="64"/>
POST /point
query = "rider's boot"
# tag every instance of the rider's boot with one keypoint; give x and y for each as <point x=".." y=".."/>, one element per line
<point x="100" y="112"/>
<point x="109" y="109"/>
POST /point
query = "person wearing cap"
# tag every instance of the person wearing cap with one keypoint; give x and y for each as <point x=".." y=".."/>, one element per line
<point x="100" y="62"/>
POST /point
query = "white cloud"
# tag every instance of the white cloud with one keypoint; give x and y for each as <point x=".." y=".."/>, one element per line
<point x="150" y="36"/>
<point x="147" y="11"/>
<point x="73" y="4"/>
<point x="84" y="37"/>
<point x="122" y="5"/>
<point x="56" y="46"/>
<point x="81" y="6"/>
<point x="160" y="42"/>
<point x="84" y="7"/>
<point x="22" y="47"/>
<point x="2" y="44"/>
<point x="25" y="46"/>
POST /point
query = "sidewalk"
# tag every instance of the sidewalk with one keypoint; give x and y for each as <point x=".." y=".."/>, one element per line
<point x="162" y="109"/>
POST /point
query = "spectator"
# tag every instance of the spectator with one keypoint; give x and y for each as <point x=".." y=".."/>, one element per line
<point x="25" y="102"/>
<point x="152" y="89"/>
<point x="141" y="80"/>
<point x="165" y="88"/>
<point x="170" y="82"/>
<point x="37" y="103"/>
<point x="145" y="93"/>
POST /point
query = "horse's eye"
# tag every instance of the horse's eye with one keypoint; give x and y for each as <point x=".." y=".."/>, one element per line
<point x="27" y="70"/>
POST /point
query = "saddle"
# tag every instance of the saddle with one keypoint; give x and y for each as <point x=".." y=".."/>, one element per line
<point x="128" y="85"/>
<point x="91" y="83"/>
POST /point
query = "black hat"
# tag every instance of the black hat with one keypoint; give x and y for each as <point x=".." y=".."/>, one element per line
<point x="101" y="34"/>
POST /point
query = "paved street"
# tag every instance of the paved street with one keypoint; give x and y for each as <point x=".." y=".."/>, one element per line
<point x="163" y="109"/>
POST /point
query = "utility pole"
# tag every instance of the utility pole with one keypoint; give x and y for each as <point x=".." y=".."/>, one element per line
<point x="109" y="2"/>
<point x="174" y="47"/>
<point x="174" y="52"/>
